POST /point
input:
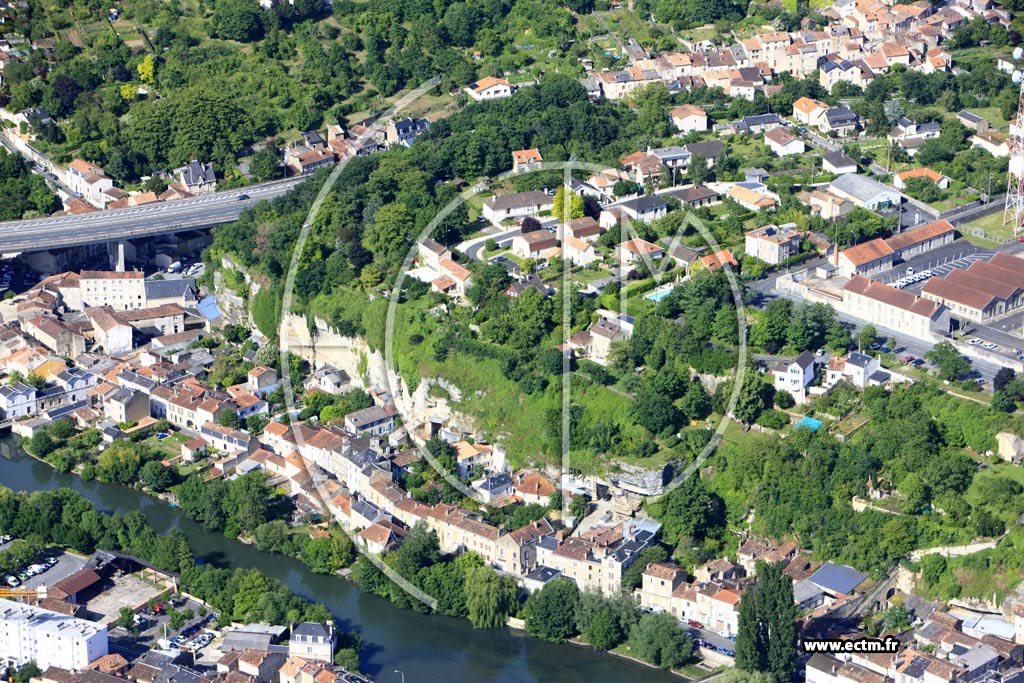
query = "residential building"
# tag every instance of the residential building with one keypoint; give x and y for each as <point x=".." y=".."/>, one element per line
<point x="263" y="380"/>
<point x="111" y="333"/>
<point x="524" y="160"/>
<point x="752" y="199"/>
<point x="56" y="335"/>
<point x="899" y="181"/>
<point x="838" y="121"/>
<point x="502" y="207"/>
<point x="17" y="400"/>
<point x="469" y="455"/>
<point x="838" y="163"/>
<point x="636" y="250"/>
<point x="773" y="244"/>
<point x="647" y="208"/>
<point x="795" y="375"/>
<point x="91" y="182"/>
<point x="868" y="258"/>
<point x="372" y="420"/>
<point x="517" y="550"/>
<point x="313" y="641"/>
<point x="489" y="88"/>
<point x="119" y="291"/>
<point x="995" y="144"/>
<point x="405" y="131"/>
<point x="688" y="118"/>
<point x="197" y="178"/>
<point x="126" y="406"/>
<point x="605" y="331"/>
<point x="658" y="582"/>
<point x="807" y="110"/>
<point x="50" y="639"/>
<point x="430" y="253"/>
<point x="226" y="439"/>
<point x="310" y="161"/>
<point x="533" y="244"/>
<point x="858" y="369"/>
<point x="782" y="143"/>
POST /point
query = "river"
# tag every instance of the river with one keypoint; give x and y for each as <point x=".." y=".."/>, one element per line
<point x="426" y="648"/>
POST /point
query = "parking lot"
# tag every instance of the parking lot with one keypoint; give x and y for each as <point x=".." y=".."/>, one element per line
<point x="126" y="590"/>
<point x="45" y="569"/>
<point x="65" y="567"/>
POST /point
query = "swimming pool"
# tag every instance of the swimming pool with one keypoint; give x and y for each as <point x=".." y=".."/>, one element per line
<point x="658" y="294"/>
<point x="808" y="422"/>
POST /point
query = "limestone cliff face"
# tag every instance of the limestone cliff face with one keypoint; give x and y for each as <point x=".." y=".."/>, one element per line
<point x="368" y="368"/>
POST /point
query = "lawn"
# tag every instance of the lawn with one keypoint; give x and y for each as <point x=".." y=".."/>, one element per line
<point x="994" y="229"/>
<point x="1003" y="470"/>
<point x="170" y="446"/>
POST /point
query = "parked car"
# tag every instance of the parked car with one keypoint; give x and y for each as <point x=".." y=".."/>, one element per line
<point x="6" y="538"/>
<point x="242" y="197"/>
<point x="908" y="359"/>
<point x="12" y="581"/>
<point x="696" y="624"/>
<point x="974" y="341"/>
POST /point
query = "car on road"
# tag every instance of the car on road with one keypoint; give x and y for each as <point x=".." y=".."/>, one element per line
<point x="974" y="342"/>
<point x="499" y="259"/>
<point x="695" y="624"/>
<point x="242" y="197"/>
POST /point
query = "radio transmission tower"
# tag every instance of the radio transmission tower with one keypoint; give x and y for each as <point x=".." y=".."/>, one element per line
<point x="1013" y="211"/>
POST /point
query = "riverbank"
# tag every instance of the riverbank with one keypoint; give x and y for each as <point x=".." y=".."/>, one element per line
<point x="438" y="648"/>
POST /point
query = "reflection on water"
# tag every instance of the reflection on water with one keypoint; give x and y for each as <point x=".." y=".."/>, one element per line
<point x="429" y="649"/>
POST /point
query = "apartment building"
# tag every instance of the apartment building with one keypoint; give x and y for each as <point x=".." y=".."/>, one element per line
<point x="51" y="639"/>
<point x="120" y="291"/>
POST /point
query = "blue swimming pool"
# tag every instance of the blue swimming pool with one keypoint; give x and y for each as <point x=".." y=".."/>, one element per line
<point x="658" y="294"/>
<point x="808" y="423"/>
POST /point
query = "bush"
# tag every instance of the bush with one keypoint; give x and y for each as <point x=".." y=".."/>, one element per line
<point x="784" y="399"/>
<point x="773" y="419"/>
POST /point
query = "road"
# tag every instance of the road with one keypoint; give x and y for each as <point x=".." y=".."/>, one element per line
<point x="140" y="221"/>
<point x="40" y="164"/>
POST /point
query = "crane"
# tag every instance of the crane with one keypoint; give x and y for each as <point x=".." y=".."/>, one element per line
<point x="39" y="592"/>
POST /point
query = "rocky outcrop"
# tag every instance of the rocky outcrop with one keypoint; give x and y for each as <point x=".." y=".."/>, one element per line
<point x="368" y="368"/>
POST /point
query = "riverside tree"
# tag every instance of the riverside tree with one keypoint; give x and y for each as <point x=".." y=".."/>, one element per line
<point x="767" y="635"/>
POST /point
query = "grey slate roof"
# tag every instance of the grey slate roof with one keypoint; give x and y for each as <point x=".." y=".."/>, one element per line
<point x="166" y="289"/>
<point x="837" y="578"/>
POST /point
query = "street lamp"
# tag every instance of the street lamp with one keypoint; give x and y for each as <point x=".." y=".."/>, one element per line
<point x="401" y="674"/>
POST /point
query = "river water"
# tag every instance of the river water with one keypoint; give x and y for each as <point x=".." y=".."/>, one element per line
<point x="426" y="648"/>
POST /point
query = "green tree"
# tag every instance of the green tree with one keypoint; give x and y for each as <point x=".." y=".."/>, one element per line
<point x="604" y="632"/>
<point x="265" y="165"/>
<point x="155" y="476"/>
<point x="657" y="638"/>
<point x="490" y="597"/>
<point x="126" y="618"/>
<point x="550" y="612"/>
<point x="229" y="418"/>
<point x="576" y="204"/>
<point x="767" y="635"/>
<point x="866" y="337"/>
<point x="237" y="20"/>
<point x="948" y="361"/>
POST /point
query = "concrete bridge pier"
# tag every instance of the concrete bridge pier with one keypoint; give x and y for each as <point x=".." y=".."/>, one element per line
<point x="115" y="251"/>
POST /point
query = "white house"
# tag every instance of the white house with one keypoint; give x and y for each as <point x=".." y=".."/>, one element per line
<point x="782" y="143"/>
<point x="17" y="400"/>
<point x="533" y="244"/>
<point x="859" y="369"/>
<point x="795" y="375"/>
<point x="689" y="117"/>
<point x="502" y="207"/>
<point x="490" y="88"/>
<point x="838" y="163"/>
